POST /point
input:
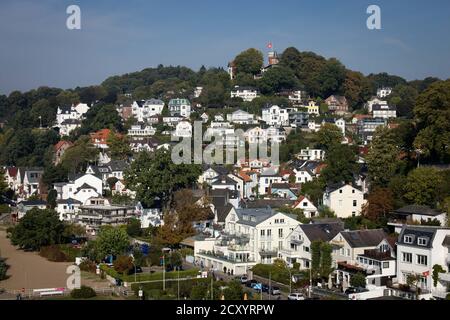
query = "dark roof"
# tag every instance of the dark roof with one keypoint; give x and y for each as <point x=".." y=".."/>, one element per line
<point x="281" y="185"/>
<point x="118" y="165"/>
<point x="446" y="242"/>
<point x="417" y="209"/>
<point x="264" y="203"/>
<point x="321" y="231"/>
<point x="85" y="186"/>
<point x="336" y="186"/>
<point x="71" y="121"/>
<point x="417" y="232"/>
<point x="222" y="212"/>
<point x="30" y="203"/>
<point x="67" y="201"/>
<point x="224" y="180"/>
<point x="364" y="238"/>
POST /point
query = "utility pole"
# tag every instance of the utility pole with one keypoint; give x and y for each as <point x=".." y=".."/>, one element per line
<point x="164" y="272"/>
<point x="178" y="283"/>
<point x="212" y="286"/>
<point x="270" y="285"/>
<point x="310" y="281"/>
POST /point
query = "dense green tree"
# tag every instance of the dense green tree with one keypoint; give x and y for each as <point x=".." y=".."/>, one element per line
<point x="403" y="97"/>
<point x="432" y="115"/>
<point x="158" y="177"/>
<point x="358" y="280"/>
<point x="381" y="80"/>
<point x="423" y="186"/>
<point x="331" y="78"/>
<point x="233" y="291"/>
<point x="328" y="136"/>
<point x="249" y="61"/>
<point x="112" y="241"/>
<point x="36" y="229"/>
<point x="77" y="157"/>
<point x="119" y="146"/>
<point x="383" y="157"/>
<point x="340" y="163"/>
<point x="134" y="228"/>
<point x="357" y="89"/>
<point x="276" y="79"/>
<point x="51" y="198"/>
<point x="101" y="116"/>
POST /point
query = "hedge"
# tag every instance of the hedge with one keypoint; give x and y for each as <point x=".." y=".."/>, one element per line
<point x="83" y="293"/>
<point x="147" y="276"/>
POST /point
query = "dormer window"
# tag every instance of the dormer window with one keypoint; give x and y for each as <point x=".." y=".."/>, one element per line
<point x="422" y="241"/>
<point x="408" y="239"/>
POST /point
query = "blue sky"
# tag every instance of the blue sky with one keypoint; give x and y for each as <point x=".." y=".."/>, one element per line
<point x="125" y="36"/>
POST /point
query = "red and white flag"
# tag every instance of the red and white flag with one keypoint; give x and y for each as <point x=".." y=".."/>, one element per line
<point x="426" y="273"/>
<point x="269" y="45"/>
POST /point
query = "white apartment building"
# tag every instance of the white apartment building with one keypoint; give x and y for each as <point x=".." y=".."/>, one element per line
<point x="142" y="110"/>
<point x="80" y="189"/>
<point x="141" y="131"/>
<point x="311" y="154"/>
<point x="374" y="101"/>
<point x="275" y="116"/>
<point x="241" y="117"/>
<point x="419" y="248"/>
<point x="383" y="111"/>
<point x="245" y="93"/>
<point x="250" y="236"/>
<point x="345" y="200"/>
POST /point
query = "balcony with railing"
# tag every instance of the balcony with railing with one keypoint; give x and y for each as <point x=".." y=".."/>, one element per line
<point x="268" y="252"/>
<point x="233" y="258"/>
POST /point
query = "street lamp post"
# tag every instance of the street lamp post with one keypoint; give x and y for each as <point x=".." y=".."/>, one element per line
<point x="290" y="281"/>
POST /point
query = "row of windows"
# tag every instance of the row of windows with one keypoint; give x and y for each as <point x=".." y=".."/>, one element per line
<point x="407" y="257"/>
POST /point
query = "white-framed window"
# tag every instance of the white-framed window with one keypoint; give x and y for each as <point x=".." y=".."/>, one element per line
<point x="422" y="241"/>
<point x="422" y="260"/>
<point x="407" y="257"/>
<point x="408" y="239"/>
<point x="386" y="265"/>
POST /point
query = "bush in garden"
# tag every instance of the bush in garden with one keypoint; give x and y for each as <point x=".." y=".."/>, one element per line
<point x="83" y="293"/>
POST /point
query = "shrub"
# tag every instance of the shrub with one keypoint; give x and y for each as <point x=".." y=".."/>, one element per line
<point x="3" y="269"/>
<point x="53" y="253"/>
<point x="4" y="208"/>
<point x="123" y="264"/>
<point x="83" y="293"/>
<point x="88" y="266"/>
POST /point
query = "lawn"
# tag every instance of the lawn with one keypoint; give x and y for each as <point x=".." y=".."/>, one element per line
<point x="149" y="276"/>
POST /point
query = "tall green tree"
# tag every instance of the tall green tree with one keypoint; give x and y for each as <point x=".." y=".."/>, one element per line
<point x="36" y="229"/>
<point x="383" y="157"/>
<point x="249" y="61"/>
<point x="112" y="241"/>
<point x="158" y="177"/>
<point x="423" y="186"/>
<point x="340" y="163"/>
<point x="432" y="115"/>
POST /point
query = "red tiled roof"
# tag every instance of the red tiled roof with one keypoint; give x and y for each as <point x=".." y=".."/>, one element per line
<point x="62" y="143"/>
<point x="12" y="171"/>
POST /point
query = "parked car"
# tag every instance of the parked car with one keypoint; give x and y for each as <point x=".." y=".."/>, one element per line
<point x="275" y="291"/>
<point x="250" y="283"/>
<point x="257" y="285"/>
<point x="265" y="288"/>
<point x="351" y="290"/>
<point x="296" y="296"/>
<point x="243" y="279"/>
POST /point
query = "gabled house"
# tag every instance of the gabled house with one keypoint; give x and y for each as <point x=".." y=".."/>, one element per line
<point x="297" y="248"/>
<point x="283" y="190"/>
<point x="337" y="104"/>
<point x="142" y="110"/>
<point x="31" y="183"/>
<point x="224" y="182"/>
<point x="266" y="178"/>
<point x="344" y="199"/>
<point x="416" y="214"/>
<point x="308" y="207"/>
<point x="180" y="108"/>
<point x="275" y="116"/>
<point x="419" y="248"/>
<point x="313" y="108"/>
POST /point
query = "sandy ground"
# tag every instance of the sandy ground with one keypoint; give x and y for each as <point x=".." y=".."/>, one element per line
<point x="30" y="271"/>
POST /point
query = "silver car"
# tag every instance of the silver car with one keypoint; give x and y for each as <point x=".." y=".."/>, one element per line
<point x="296" y="296"/>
